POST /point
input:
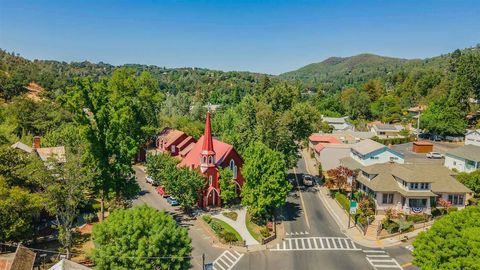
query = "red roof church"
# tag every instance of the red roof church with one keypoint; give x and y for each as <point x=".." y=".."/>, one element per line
<point x="208" y="155"/>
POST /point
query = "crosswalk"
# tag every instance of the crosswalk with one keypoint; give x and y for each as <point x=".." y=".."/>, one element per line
<point x="380" y="259"/>
<point x="297" y="233"/>
<point x="227" y="260"/>
<point x="315" y="243"/>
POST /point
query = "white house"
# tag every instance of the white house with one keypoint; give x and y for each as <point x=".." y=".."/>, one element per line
<point x="368" y="152"/>
<point x="463" y="159"/>
<point x="472" y="137"/>
<point x="338" y="123"/>
<point x="387" y="130"/>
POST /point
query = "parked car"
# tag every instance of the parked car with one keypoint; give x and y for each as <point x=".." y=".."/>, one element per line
<point x="161" y="190"/>
<point x="437" y="138"/>
<point x="434" y="155"/>
<point x="149" y="180"/>
<point x="307" y="180"/>
<point x="172" y="201"/>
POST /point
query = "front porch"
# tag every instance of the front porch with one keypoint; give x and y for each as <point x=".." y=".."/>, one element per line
<point x="407" y="205"/>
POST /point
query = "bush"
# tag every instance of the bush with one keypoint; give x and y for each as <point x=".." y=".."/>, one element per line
<point x="417" y="218"/>
<point x="231" y="215"/>
<point x="391" y="227"/>
<point x="451" y="209"/>
<point x="228" y="236"/>
<point x="216" y="227"/>
<point x="265" y="232"/>
<point x="404" y="226"/>
<point x="90" y="217"/>
<point x="343" y="200"/>
<point x="207" y="218"/>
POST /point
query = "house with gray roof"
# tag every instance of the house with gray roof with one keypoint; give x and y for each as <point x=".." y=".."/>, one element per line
<point x="473" y="137"/>
<point x="368" y="152"/>
<point x="463" y="159"/>
<point x="387" y="130"/>
<point x="411" y="188"/>
<point x="338" y="123"/>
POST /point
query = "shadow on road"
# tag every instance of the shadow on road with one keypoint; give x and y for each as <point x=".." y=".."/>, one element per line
<point x="291" y="211"/>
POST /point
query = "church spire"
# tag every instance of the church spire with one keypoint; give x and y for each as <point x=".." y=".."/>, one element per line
<point x="207" y="155"/>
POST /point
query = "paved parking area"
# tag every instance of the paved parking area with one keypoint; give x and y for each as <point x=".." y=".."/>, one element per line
<point x="411" y="157"/>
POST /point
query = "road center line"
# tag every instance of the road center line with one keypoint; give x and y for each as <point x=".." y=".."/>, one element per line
<point x="301" y="199"/>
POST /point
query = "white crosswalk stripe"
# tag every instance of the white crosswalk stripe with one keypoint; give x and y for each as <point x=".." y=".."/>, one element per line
<point x="227" y="260"/>
<point x="380" y="259"/>
<point x="315" y="243"/>
<point x="296" y="233"/>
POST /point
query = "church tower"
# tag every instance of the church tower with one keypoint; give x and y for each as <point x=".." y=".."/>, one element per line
<point x="207" y="155"/>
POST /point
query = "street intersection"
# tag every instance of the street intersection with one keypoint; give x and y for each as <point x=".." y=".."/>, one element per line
<point x="312" y="240"/>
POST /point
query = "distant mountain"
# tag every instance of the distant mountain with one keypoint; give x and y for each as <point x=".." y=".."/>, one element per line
<point x="338" y="72"/>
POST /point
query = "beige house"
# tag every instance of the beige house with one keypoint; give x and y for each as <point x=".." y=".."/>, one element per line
<point x="411" y="188"/>
<point x="386" y="130"/>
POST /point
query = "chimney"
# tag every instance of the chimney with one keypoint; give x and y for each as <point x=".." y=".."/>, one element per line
<point x="36" y="142"/>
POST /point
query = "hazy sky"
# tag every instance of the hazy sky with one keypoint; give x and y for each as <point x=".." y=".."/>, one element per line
<point x="261" y="36"/>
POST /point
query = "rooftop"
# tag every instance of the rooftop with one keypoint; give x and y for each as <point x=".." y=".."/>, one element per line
<point x="367" y="146"/>
<point x="193" y="157"/>
<point x="323" y="138"/>
<point x="387" y="127"/>
<point x="470" y="152"/>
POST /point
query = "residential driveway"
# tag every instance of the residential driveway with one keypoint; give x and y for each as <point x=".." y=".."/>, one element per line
<point x="411" y="157"/>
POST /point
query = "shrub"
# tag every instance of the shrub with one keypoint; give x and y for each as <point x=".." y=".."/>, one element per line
<point x="391" y="227"/>
<point x="90" y="217"/>
<point x="216" y="227"/>
<point x="452" y="209"/>
<point x="228" y="236"/>
<point x="231" y="215"/>
<point x="343" y="200"/>
<point x="404" y="226"/>
<point x="265" y="232"/>
<point x="417" y="218"/>
<point x="207" y="218"/>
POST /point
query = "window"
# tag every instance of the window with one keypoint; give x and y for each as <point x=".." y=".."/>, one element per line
<point x="417" y="202"/>
<point x="393" y="158"/>
<point x="235" y="172"/>
<point x="413" y="185"/>
<point x="210" y="159"/>
<point x="454" y="163"/>
<point x="424" y="185"/>
<point x="456" y="199"/>
<point x="210" y="180"/>
<point x="374" y="157"/>
<point x="387" y="198"/>
<point x="173" y="149"/>
<point x="232" y="164"/>
<point x="204" y="160"/>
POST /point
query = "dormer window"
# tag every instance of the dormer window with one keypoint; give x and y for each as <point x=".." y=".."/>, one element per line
<point x="210" y="160"/>
<point x="204" y="160"/>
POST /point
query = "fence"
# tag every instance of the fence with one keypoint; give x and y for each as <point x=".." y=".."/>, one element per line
<point x="268" y="239"/>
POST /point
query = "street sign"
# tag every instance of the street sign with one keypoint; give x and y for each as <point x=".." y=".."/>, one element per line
<point x="353" y="207"/>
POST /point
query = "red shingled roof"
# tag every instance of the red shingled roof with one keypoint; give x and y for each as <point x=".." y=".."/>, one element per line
<point x="323" y="139"/>
<point x="193" y="157"/>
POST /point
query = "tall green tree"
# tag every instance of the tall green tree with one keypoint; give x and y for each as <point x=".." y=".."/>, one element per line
<point x="470" y="180"/>
<point x="18" y="210"/>
<point x="117" y="116"/>
<point x="453" y="242"/>
<point x="161" y="167"/>
<point x="266" y="186"/>
<point x="186" y="186"/>
<point x="440" y="118"/>
<point x="227" y="186"/>
<point x="144" y="239"/>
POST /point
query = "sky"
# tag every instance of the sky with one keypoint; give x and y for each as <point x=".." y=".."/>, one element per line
<point x="259" y="36"/>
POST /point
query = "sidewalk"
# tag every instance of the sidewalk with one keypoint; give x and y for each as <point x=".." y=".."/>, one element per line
<point x="341" y="217"/>
<point x="239" y="225"/>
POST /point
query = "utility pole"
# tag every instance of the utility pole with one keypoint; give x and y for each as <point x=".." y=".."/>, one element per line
<point x="418" y="125"/>
<point x="203" y="261"/>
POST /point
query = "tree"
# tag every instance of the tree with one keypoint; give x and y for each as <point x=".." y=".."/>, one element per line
<point x="144" y="239"/>
<point x="471" y="180"/>
<point x="117" y="115"/>
<point x="186" y="186"/>
<point x="357" y="103"/>
<point x="451" y="243"/>
<point x="338" y="177"/>
<point x="301" y="120"/>
<point x="227" y="186"/>
<point x="161" y="167"/>
<point x="66" y="190"/>
<point x="18" y="209"/>
<point x="443" y="119"/>
<point x="266" y="186"/>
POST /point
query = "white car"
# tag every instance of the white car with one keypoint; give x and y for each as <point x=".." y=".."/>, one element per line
<point x="149" y="180"/>
<point x="434" y="155"/>
<point x="307" y="180"/>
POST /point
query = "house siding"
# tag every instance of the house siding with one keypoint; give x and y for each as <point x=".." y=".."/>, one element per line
<point x="381" y="156"/>
<point x="473" y="139"/>
<point x="460" y="164"/>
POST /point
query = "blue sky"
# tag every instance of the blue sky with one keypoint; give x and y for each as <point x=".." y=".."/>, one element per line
<point x="260" y="36"/>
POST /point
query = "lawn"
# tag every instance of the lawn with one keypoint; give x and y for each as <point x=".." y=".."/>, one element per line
<point x="227" y="228"/>
<point x="254" y="229"/>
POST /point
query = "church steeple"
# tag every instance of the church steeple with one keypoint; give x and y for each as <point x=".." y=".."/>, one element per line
<point x="207" y="155"/>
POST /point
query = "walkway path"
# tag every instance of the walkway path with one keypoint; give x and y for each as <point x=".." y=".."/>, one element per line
<point x="239" y="225"/>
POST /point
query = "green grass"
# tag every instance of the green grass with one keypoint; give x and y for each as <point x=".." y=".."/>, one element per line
<point x="227" y="228"/>
<point x="343" y="200"/>
<point x="253" y="228"/>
